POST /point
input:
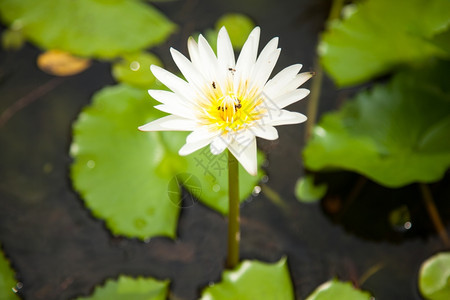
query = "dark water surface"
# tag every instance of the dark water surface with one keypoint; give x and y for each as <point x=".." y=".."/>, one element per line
<point x="60" y="251"/>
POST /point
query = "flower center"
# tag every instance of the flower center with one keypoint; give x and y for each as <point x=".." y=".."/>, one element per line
<point x="229" y="107"/>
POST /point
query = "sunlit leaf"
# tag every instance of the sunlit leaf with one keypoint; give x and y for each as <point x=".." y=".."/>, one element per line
<point x="434" y="277"/>
<point x="7" y="281"/>
<point x="130" y="178"/>
<point x="307" y="191"/>
<point x="253" y="280"/>
<point x="122" y="173"/>
<point x="380" y="35"/>
<point x="60" y="63"/>
<point x="238" y="26"/>
<point x="213" y="170"/>
<point x="96" y="28"/>
<point x="395" y="134"/>
<point x="134" y="69"/>
<point x="127" y="288"/>
<point x="334" y="289"/>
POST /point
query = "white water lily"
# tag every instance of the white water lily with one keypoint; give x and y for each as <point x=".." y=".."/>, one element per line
<point x="228" y="103"/>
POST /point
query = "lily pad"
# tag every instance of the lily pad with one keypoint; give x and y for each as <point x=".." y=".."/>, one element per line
<point x="7" y="281"/>
<point x="121" y="173"/>
<point x="306" y="191"/>
<point x="134" y="69"/>
<point x="94" y="28"/>
<point x="380" y="35"/>
<point x="336" y="289"/>
<point x="253" y="280"/>
<point x="126" y="176"/>
<point x="213" y="171"/>
<point x="125" y="288"/>
<point x="434" y="277"/>
<point x="395" y="134"/>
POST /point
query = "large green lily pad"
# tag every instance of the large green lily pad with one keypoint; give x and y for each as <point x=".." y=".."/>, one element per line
<point x="434" y="277"/>
<point x="130" y="178"/>
<point x="95" y="28"/>
<point x="395" y="134"/>
<point x="126" y="288"/>
<point x="7" y="281"/>
<point x="380" y="35"/>
<point x="335" y="289"/>
<point x="253" y="280"/>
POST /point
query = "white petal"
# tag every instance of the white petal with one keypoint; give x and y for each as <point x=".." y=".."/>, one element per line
<point x="176" y="84"/>
<point x="263" y="68"/>
<point x="169" y="98"/>
<point x="265" y="132"/>
<point x="201" y="133"/>
<point x="283" y="117"/>
<point x="172" y="123"/>
<point x="177" y="110"/>
<point x="188" y="148"/>
<point x="289" y="98"/>
<point x="273" y="86"/>
<point x="225" y="53"/>
<point x="219" y="144"/>
<point x="188" y="70"/>
<point x="193" y="52"/>
<point x="249" y="50"/>
<point x="208" y="58"/>
<point x="246" y="59"/>
<point x="245" y="153"/>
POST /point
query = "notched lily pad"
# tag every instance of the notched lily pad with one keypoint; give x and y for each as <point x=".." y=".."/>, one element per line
<point x="252" y="280"/>
<point x="395" y="134"/>
<point x="434" y="277"/>
<point x="126" y="288"/>
<point x="335" y="289"/>
<point x="122" y="173"/>
<point x="95" y="28"/>
<point x="380" y="35"/>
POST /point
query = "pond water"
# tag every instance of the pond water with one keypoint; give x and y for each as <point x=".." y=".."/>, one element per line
<point x="60" y="251"/>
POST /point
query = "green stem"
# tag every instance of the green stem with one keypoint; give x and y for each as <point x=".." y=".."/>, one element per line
<point x="234" y="234"/>
<point x="434" y="214"/>
<point x="316" y="84"/>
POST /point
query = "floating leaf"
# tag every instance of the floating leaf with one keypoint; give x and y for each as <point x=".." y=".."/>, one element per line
<point x="214" y="173"/>
<point x="395" y="134"/>
<point x="307" y="191"/>
<point x="122" y="173"/>
<point x="126" y="177"/>
<point x="434" y="277"/>
<point x="334" y="289"/>
<point x="238" y="26"/>
<point x="134" y="69"/>
<point x="60" y="63"/>
<point x="126" y="288"/>
<point x="253" y="280"/>
<point x="381" y="34"/>
<point x="96" y="28"/>
<point x="7" y="281"/>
